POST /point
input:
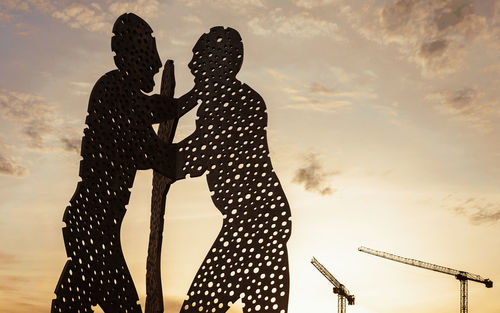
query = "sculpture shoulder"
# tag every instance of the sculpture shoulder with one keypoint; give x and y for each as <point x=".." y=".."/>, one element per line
<point x="256" y="100"/>
<point x="252" y="94"/>
<point x="109" y="83"/>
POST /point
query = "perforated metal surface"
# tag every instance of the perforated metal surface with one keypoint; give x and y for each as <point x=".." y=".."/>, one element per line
<point x="249" y="257"/>
<point x="118" y="141"/>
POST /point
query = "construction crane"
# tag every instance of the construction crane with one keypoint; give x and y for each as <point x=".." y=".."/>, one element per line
<point x="462" y="276"/>
<point x="338" y="288"/>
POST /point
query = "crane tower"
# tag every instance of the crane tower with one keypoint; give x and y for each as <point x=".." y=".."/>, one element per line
<point x="338" y="288"/>
<point x="462" y="276"/>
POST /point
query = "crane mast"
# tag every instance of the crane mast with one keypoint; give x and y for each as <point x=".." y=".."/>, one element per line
<point x="462" y="276"/>
<point x="338" y="288"/>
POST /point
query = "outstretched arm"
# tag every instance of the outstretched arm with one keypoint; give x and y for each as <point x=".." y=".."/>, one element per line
<point x="159" y="108"/>
<point x="192" y="156"/>
<point x="175" y="161"/>
<point x="186" y="103"/>
<point x="163" y="108"/>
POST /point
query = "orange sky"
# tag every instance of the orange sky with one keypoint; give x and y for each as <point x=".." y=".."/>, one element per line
<point x="390" y="106"/>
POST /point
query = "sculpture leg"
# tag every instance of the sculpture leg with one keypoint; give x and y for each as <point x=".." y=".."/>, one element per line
<point x="116" y="292"/>
<point x="268" y="288"/>
<point x="216" y="283"/>
<point x="210" y="295"/>
<point x="97" y="274"/>
<point x="70" y="299"/>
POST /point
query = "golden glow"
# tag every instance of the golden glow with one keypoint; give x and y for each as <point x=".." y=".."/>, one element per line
<point x="399" y="102"/>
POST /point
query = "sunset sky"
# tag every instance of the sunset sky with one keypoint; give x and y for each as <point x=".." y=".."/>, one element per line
<point x="383" y="129"/>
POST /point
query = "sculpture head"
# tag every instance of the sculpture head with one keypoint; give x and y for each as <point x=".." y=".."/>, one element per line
<point x="135" y="49"/>
<point x="217" y="55"/>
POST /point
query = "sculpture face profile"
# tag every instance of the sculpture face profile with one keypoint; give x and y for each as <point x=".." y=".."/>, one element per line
<point x="217" y="54"/>
<point x="135" y="48"/>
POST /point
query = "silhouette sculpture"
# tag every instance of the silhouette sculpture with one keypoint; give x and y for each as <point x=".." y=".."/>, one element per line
<point x="249" y="257"/>
<point x="248" y="260"/>
<point x="119" y="140"/>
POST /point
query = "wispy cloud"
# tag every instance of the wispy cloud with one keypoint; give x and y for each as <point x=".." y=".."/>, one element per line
<point x="10" y="167"/>
<point x="15" y="5"/>
<point x="302" y="24"/>
<point x="71" y="144"/>
<point x="434" y="34"/>
<point x="36" y="121"/>
<point x="310" y="4"/>
<point x="10" y="283"/>
<point x="229" y="3"/>
<point x="478" y="211"/>
<point x="468" y="104"/>
<point x="87" y="16"/>
<point x="92" y="16"/>
<point x="81" y="88"/>
<point x="313" y="175"/>
<point x="316" y="96"/>
<point x="28" y="112"/>
<point x="6" y="259"/>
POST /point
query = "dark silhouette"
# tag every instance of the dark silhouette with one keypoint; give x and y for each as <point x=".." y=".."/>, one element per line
<point x="248" y="259"/>
<point x="119" y="141"/>
<point x="161" y="186"/>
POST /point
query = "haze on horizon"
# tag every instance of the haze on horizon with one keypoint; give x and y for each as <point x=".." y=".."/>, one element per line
<point x="383" y="130"/>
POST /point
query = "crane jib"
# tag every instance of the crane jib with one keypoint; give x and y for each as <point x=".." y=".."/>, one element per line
<point x="460" y="275"/>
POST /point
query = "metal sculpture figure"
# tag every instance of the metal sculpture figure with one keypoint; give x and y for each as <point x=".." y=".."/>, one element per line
<point x="119" y="141"/>
<point x="248" y="259"/>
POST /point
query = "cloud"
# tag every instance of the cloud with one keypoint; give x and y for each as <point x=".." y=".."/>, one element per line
<point x="233" y="4"/>
<point x="144" y="8"/>
<point x="313" y="176"/>
<point x="460" y="100"/>
<point x="28" y="112"/>
<point x="11" y="168"/>
<point x="315" y="96"/>
<point x="478" y="211"/>
<point x="21" y="106"/>
<point x="78" y="15"/>
<point x="192" y="19"/>
<point x="71" y="144"/>
<point x="433" y="48"/>
<point x="24" y="29"/>
<point x="436" y="35"/>
<point x="310" y="4"/>
<point x="36" y="122"/>
<point x="6" y="259"/>
<point x="81" y="88"/>
<point x="244" y="8"/>
<point x="317" y="88"/>
<point x="17" y="5"/>
<point x="5" y="16"/>
<point x="91" y="16"/>
<point x="10" y="283"/>
<point x="467" y="104"/>
<point x="303" y="25"/>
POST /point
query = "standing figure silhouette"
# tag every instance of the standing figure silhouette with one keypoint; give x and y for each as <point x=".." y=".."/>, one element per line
<point x="248" y="260"/>
<point x="119" y="141"/>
